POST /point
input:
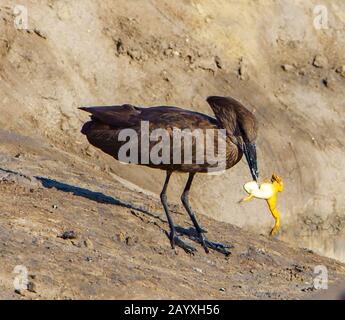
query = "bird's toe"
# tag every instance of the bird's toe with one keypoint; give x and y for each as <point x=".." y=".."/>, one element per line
<point x="184" y="245"/>
<point x="218" y="246"/>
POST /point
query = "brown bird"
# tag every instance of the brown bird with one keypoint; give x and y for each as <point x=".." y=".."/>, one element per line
<point x="234" y="125"/>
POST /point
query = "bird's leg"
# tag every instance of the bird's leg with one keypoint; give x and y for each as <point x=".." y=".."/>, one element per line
<point x="185" y="202"/>
<point x="205" y="243"/>
<point x="173" y="238"/>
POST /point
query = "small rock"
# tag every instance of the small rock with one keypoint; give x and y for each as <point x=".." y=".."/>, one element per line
<point x="76" y="243"/>
<point x="218" y="62"/>
<point x="222" y="289"/>
<point x="168" y="52"/>
<point x="89" y="259"/>
<point x="134" y="54"/>
<point x="210" y="262"/>
<point x="298" y="268"/>
<point x="165" y="76"/>
<point x="130" y="241"/>
<point x="320" y="61"/>
<point x="302" y="72"/>
<point x="120" y="48"/>
<point x="325" y="82"/>
<point x="237" y="286"/>
<point x="89" y="151"/>
<point x="68" y="235"/>
<point x="88" y="244"/>
<point x="208" y="20"/>
<point x="197" y="270"/>
<point x="54" y="206"/>
<point x="287" y="67"/>
<point x="308" y="289"/>
<point x="31" y="287"/>
<point x="17" y="291"/>
<point x="341" y="71"/>
<point x="243" y="70"/>
<point x="207" y="64"/>
<point x="176" y="53"/>
<point x="121" y="237"/>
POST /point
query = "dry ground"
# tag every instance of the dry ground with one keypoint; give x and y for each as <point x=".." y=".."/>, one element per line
<point x="121" y="249"/>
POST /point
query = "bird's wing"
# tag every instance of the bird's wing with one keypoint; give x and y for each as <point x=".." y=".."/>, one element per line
<point x="124" y="116"/>
<point x="169" y="117"/>
<point x="108" y="122"/>
<point x="129" y="116"/>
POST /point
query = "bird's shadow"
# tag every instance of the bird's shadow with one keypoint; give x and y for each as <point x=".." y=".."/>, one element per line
<point x="189" y="232"/>
<point x="81" y="192"/>
<point x="77" y="191"/>
<point x="91" y="195"/>
<point x="101" y="198"/>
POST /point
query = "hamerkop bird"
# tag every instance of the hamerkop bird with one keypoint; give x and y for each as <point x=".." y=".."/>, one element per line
<point x="239" y="128"/>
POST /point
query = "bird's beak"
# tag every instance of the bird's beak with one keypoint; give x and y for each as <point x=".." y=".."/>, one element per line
<point x="250" y="153"/>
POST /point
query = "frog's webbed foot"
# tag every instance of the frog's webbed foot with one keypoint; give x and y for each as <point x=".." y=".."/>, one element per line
<point x="276" y="227"/>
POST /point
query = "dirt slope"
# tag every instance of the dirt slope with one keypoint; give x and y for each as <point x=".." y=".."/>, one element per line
<point x="121" y="252"/>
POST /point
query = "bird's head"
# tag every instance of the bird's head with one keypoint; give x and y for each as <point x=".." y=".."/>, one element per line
<point x="241" y="126"/>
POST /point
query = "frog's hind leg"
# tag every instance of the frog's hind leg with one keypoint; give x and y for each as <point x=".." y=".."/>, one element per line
<point x="250" y="197"/>
<point x="276" y="216"/>
<point x="276" y="227"/>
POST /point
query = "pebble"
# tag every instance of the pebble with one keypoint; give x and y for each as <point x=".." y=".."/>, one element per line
<point x="88" y="244"/>
<point x="68" y="235"/>
<point x="325" y="82"/>
<point x="287" y="67"/>
<point x="197" y="270"/>
<point x="320" y="61"/>
<point x="243" y="70"/>
<point x="237" y="286"/>
<point x="31" y="287"/>
<point x="298" y="268"/>
<point x="341" y="71"/>
<point x="218" y="62"/>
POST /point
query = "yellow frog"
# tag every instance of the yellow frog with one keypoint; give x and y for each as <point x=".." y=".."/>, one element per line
<point x="267" y="190"/>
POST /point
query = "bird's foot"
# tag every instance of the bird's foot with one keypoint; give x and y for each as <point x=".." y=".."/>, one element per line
<point x="202" y="240"/>
<point x="184" y="245"/>
<point x="176" y="241"/>
<point x="207" y="244"/>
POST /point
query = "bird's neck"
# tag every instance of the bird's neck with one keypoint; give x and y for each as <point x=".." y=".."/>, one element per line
<point x="227" y="120"/>
<point x="233" y="152"/>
